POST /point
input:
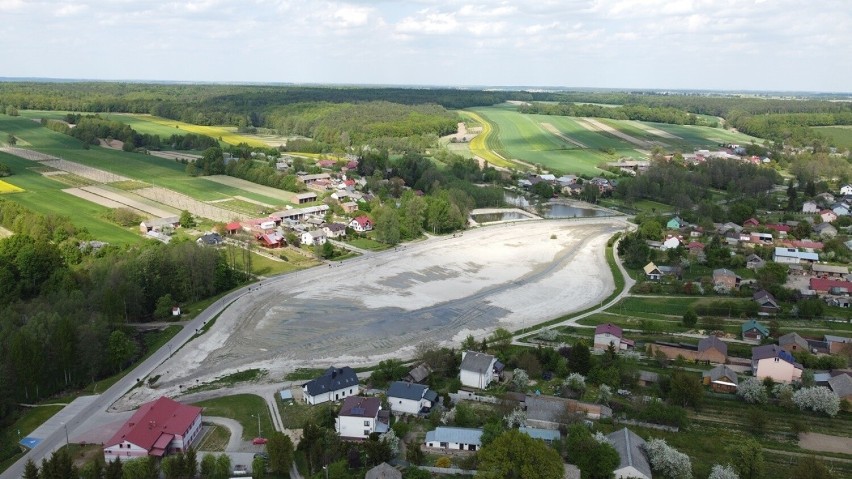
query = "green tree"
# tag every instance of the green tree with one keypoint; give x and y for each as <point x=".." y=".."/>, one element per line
<point x="30" y="470"/>
<point x="223" y="467"/>
<point x="414" y="454"/>
<point x="164" y="306"/>
<point x="280" y="450"/>
<point x="515" y="455"/>
<point x="387" y="228"/>
<point x="686" y="390"/>
<point x="258" y="468"/>
<point x="500" y="340"/>
<point x="208" y="466"/>
<point x="121" y="349"/>
<point x="596" y="460"/>
<point x="142" y="468"/>
<point x="114" y="470"/>
<point x="580" y="358"/>
<point x="11" y="140"/>
<point x="186" y="219"/>
<point x="690" y="318"/>
<point x="747" y="459"/>
<point x="811" y="468"/>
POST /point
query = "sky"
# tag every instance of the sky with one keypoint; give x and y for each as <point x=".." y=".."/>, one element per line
<point x="779" y="45"/>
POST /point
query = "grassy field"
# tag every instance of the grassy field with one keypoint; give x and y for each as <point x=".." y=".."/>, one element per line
<point x="8" y="188"/>
<point x="222" y="133"/>
<point x="244" y="408"/>
<point x="480" y="146"/>
<point x="565" y="144"/>
<point x="839" y="136"/>
<point x="44" y="195"/>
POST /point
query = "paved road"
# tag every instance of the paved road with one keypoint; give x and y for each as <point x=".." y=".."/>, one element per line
<point x="108" y="397"/>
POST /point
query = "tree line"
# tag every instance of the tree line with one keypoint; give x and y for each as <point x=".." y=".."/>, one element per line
<point x="90" y="128"/>
<point x="624" y="112"/>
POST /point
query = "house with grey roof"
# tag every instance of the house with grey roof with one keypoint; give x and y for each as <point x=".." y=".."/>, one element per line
<point x="793" y="343"/>
<point x="410" y="398"/>
<point x="837" y="343"/>
<point x="383" y="471"/>
<point x="334" y="384"/>
<point x="454" y="439"/>
<point x="419" y="374"/>
<point x="478" y="370"/>
<point x="547" y="435"/>
<point x="842" y="386"/>
<point x="632" y="460"/>
<point x="721" y="379"/>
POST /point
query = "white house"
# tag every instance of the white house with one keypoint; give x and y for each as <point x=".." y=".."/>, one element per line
<point x="409" y="398"/>
<point x="334" y="385"/>
<point x="632" y="460"/>
<point x="361" y="224"/>
<point x="810" y="207"/>
<point x="359" y="417"/>
<point x="454" y="439"/>
<point x="315" y="237"/>
<point x="846" y="190"/>
<point x="158" y="428"/>
<point x="334" y="230"/>
<point x="606" y="334"/>
<point x="670" y="243"/>
<point x="479" y="369"/>
<point x="772" y="361"/>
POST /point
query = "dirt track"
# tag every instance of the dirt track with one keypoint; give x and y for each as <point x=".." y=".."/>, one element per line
<point x="824" y="443"/>
<point x="380" y="306"/>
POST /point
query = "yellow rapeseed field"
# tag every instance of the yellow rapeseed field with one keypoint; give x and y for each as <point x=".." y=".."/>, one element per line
<point x="8" y="188"/>
<point x="219" y="132"/>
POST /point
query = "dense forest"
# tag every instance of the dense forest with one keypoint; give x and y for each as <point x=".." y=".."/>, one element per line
<point x="625" y="112"/>
<point x="65" y="304"/>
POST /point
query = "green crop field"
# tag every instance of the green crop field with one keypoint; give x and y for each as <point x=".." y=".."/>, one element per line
<point x="838" y="136"/>
<point x="568" y="145"/>
<point x="45" y="196"/>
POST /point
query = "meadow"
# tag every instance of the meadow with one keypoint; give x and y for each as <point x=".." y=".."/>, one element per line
<point x="568" y="145"/>
<point x="838" y="136"/>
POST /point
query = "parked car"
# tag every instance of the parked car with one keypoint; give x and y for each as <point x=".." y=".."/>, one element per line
<point x="258" y="441"/>
<point x="240" y="470"/>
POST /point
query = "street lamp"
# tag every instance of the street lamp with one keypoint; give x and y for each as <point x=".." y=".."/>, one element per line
<point x="66" y="435"/>
<point x="325" y="468"/>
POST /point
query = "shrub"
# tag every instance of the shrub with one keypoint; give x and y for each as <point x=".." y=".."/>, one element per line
<point x="444" y="462"/>
<point x="723" y="472"/>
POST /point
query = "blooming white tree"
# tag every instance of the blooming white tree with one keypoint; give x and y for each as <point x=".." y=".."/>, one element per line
<point x="723" y="472"/>
<point x="516" y="418"/>
<point x="548" y="335"/>
<point x="604" y="394"/>
<point x="575" y="382"/>
<point x="391" y="440"/>
<point x="631" y="354"/>
<point x="752" y="391"/>
<point x="818" y="399"/>
<point x="601" y="438"/>
<point x="520" y="379"/>
<point x="667" y="460"/>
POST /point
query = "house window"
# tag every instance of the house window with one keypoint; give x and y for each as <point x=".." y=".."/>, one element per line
<point x="366" y="423"/>
<point x="121" y="446"/>
<point x="400" y="401"/>
<point x="366" y="432"/>
<point x="445" y="444"/>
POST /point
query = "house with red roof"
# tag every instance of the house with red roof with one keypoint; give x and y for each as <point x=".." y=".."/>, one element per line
<point x="157" y="429"/>
<point x="751" y="223"/>
<point x="606" y="334"/>
<point x="233" y="227"/>
<point x="824" y="285"/>
<point x="361" y="224"/>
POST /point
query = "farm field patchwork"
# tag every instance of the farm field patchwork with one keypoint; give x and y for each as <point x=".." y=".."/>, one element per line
<point x="839" y="136"/>
<point x="580" y="145"/>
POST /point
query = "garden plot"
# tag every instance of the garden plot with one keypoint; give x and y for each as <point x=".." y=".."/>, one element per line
<point x="127" y="201"/>
<point x="275" y="193"/>
<point x="27" y="154"/>
<point x="183" y="202"/>
<point x="594" y="125"/>
<point x="96" y="199"/>
<point x="94" y="174"/>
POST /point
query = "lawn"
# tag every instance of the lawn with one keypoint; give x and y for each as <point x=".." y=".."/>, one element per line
<point x="264" y="266"/>
<point x="244" y="408"/>
<point x="364" y="242"/>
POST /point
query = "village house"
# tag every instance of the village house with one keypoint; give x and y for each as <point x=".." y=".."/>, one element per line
<point x="383" y="471"/>
<point x="359" y="417"/>
<point x="156" y="429"/>
<point x="840" y="209"/>
<point x="334" y="385"/>
<point x="159" y="224"/>
<point x="233" y="228"/>
<point x="782" y="230"/>
<point x="841" y="384"/>
<point x="419" y="373"/>
<point x="271" y="240"/>
<point x="810" y="207"/>
<point x="833" y="286"/>
<point x="793" y="343"/>
<point x="829" y="271"/>
<point x="549" y="412"/>
<point x="725" y="279"/>
<point x="675" y="223"/>
<point x="410" y="398"/>
<point x="710" y="349"/>
<point x="771" y="361"/>
<point x="751" y="330"/>
<point x="311" y="179"/>
<point x="652" y="272"/>
<point x="454" y="439"/>
<point x="632" y="462"/>
<point x="827" y="216"/>
<point x="761" y="238"/>
<point x="209" y="239"/>
<point x="766" y="303"/>
<point x="334" y="230"/>
<point x="754" y="262"/>
<point x="478" y="370"/>
<point x="721" y="379"/>
<point x="349" y="206"/>
<point x="314" y="238"/>
<point x="298" y="214"/>
<point x="751" y="223"/>
<point x="825" y="230"/>
<point x="846" y="190"/>
<point x="610" y="334"/>
<point x="836" y="344"/>
<point x="361" y="224"/>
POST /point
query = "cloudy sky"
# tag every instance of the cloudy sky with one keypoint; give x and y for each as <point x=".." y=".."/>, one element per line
<point x="665" y="44"/>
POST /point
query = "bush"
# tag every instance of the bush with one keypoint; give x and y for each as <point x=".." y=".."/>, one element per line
<point x="444" y="462"/>
<point x="723" y="472"/>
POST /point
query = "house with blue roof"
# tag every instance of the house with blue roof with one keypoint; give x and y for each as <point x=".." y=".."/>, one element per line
<point x="333" y="385"/>
<point x="410" y="398"/>
<point x="772" y="361"/>
<point x="454" y="439"/>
